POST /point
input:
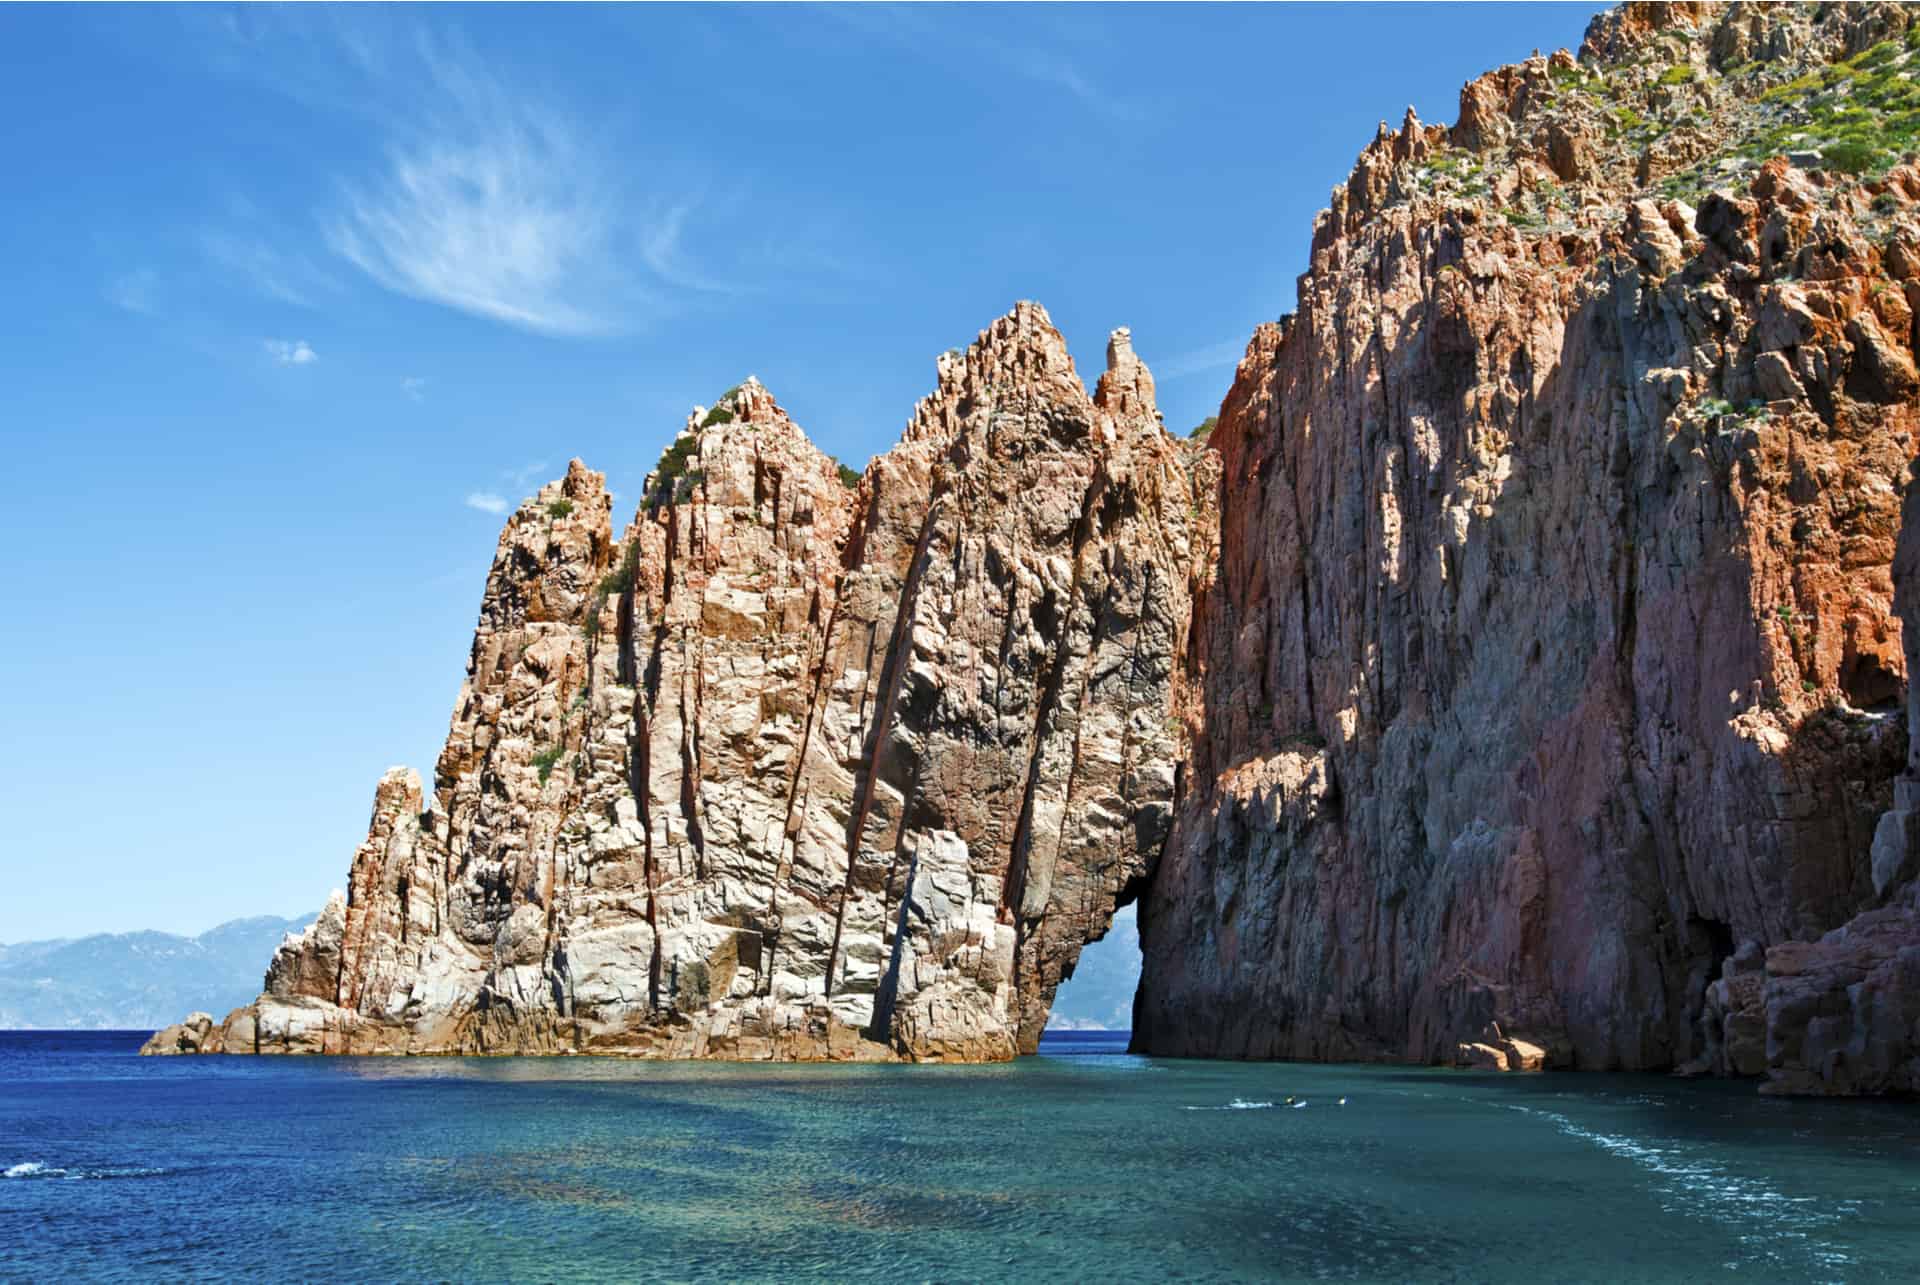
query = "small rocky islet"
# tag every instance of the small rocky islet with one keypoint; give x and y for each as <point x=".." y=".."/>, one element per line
<point x="1515" y="674"/>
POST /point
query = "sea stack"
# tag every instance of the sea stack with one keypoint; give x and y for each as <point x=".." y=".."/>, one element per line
<point x="804" y="764"/>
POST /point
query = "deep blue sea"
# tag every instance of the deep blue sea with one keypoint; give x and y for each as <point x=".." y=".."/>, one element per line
<point x="1081" y="1164"/>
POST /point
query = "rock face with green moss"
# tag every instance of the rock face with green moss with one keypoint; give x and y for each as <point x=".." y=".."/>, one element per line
<point x="793" y="768"/>
<point x="1511" y="675"/>
<point x="1546" y="691"/>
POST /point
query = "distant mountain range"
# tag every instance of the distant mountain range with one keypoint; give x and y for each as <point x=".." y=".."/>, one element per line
<point x="144" y="980"/>
<point x="136" y="981"/>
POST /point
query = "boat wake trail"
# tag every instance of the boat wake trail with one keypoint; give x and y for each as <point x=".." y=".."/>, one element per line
<point x="1770" y="1224"/>
<point x="35" y="1169"/>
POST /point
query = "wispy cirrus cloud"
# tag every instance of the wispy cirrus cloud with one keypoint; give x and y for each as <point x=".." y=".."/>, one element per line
<point x="289" y="277"/>
<point x="290" y="352"/>
<point x="414" y="387"/>
<point x="1218" y="356"/>
<point x="527" y="477"/>
<point x="135" y="292"/>
<point x="1051" y="68"/>
<point x="663" y="251"/>
<point x="523" y="480"/>
<point x="488" y="502"/>
<point x="1015" y="41"/>
<point x="505" y="225"/>
<point x="478" y="194"/>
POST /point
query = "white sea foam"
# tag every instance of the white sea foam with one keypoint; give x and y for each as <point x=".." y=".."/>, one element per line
<point x="35" y="1169"/>
<point x="1238" y="1104"/>
<point x="1766" y="1219"/>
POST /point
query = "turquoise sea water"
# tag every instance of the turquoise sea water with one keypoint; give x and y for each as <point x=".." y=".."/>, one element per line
<point x="1084" y="1163"/>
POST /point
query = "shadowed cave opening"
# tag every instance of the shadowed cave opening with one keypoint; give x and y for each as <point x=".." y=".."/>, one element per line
<point x="1870" y="684"/>
<point x="1711" y="942"/>
<point x="1099" y="995"/>
<point x="1715" y="938"/>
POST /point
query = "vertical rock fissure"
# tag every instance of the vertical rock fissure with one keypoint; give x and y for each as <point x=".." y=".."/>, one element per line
<point x="818" y="693"/>
<point x="1009" y="770"/>
<point x="1066" y="826"/>
<point x="887" y="995"/>
<point x="690" y="762"/>
<point x="1014" y="890"/>
<point x="893" y="672"/>
<point x="639" y="756"/>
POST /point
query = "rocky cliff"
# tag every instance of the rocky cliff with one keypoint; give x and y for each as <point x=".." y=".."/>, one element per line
<point x="1515" y="678"/>
<point x="1546" y="691"/>
<point x="802" y="765"/>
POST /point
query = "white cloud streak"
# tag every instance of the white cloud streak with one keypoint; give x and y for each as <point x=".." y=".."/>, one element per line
<point x="527" y="477"/>
<point x="1011" y="42"/>
<point x="1200" y="360"/>
<point x="664" y="254"/>
<point x="478" y="194"/>
<point x="496" y="227"/>
<point x="524" y="480"/>
<point x="488" y="502"/>
<point x="289" y="278"/>
<point x="1052" y="69"/>
<point x="489" y="202"/>
<point x="291" y="352"/>
<point x="135" y="292"/>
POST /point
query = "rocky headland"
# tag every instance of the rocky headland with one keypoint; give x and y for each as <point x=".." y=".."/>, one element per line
<point x="804" y="764"/>
<point x="1515" y="676"/>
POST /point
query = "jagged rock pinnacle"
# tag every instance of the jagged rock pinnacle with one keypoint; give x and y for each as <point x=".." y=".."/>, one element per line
<point x="806" y="766"/>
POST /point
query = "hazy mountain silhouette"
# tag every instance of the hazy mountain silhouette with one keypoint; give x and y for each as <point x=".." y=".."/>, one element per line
<point x="136" y="980"/>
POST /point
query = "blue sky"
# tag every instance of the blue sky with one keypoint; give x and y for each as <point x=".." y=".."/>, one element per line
<point x="302" y="299"/>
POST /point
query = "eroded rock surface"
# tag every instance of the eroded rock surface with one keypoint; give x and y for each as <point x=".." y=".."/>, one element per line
<point x="804" y="764"/>
<point x="1841" y="1015"/>
<point x="1548" y="679"/>
<point x="1513" y="678"/>
<point x="196" y="1033"/>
